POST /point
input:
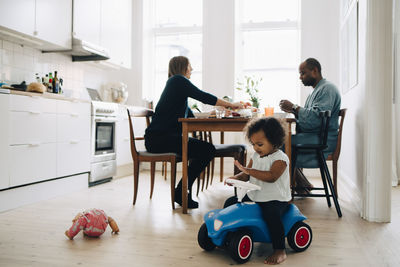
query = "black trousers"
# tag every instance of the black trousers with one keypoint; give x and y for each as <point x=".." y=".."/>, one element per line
<point x="200" y="153"/>
<point x="272" y="212"/>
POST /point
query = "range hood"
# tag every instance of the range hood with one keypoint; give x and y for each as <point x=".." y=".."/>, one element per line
<point x="84" y="51"/>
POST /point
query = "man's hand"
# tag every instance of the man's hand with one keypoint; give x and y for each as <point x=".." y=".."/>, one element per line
<point x="241" y="167"/>
<point x="286" y="106"/>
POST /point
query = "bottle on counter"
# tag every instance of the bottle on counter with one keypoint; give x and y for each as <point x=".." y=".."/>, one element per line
<point x="46" y="83"/>
<point x="37" y="78"/>
<point x="50" y="86"/>
<point x="56" y="83"/>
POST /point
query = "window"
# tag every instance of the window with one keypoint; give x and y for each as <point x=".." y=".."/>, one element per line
<point x="176" y="30"/>
<point x="270" y="38"/>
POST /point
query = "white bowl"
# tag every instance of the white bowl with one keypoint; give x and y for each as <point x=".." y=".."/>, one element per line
<point x="202" y="115"/>
<point x="280" y="115"/>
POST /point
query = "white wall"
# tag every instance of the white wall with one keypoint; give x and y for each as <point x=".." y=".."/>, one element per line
<point x="320" y="38"/>
<point x="219" y="47"/>
<point x="352" y="154"/>
<point x="20" y="63"/>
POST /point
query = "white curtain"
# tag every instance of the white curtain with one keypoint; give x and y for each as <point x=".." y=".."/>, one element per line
<point x="396" y="96"/>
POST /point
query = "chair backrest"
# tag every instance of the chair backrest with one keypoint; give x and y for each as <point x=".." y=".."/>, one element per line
<point x="323" y="132"/>
<point x="336" y="153"/>
<point x="135" y="113"/>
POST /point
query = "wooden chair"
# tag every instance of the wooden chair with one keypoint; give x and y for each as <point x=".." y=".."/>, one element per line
<point x="318" y="149"/>
<point x="334" y="157"/>
<point x="144" y="156"/>
<point x="236" y="151"/>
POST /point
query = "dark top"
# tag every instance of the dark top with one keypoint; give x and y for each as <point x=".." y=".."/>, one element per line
<point x="173" y="104"/>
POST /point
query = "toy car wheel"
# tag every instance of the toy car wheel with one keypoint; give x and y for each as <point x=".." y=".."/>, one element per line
<point x="300" y="236"/>
<point x="241" y="246"/>
<point x="204" y="241"/>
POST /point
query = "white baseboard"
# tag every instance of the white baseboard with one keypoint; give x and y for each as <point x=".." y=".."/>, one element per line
<point x="24" y="195"/>
<point x="349" y="188"/>
<point x="125" y="170"/>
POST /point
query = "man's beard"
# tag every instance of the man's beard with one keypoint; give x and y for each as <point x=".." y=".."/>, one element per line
<point x="309" y="82"/>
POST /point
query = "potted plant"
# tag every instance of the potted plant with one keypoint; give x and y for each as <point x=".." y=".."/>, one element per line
<point x="250" y="86"/>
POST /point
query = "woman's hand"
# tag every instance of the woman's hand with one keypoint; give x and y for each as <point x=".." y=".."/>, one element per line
<point x="236" y="105"/>
<point x="241" y="167"/>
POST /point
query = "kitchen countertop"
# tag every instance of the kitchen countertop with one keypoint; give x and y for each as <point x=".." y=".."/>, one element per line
<point x="47" y="95"/>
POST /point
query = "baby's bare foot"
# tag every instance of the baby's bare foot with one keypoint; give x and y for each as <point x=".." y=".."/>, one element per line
<point x="277" y="257"/>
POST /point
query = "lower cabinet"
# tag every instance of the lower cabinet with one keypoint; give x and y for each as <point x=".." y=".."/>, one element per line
<point x="42" y="139"/>
<point x="32" y="163"/>
<point x="73" y="157"/>
<point x="4" y="151"/>
<point x="123" y="147"/>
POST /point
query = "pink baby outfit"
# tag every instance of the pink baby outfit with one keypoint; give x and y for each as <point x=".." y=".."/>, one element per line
<point x="93" y="222"/>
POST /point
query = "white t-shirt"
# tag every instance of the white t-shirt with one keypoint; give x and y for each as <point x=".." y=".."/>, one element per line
<point x="278" y="190"/>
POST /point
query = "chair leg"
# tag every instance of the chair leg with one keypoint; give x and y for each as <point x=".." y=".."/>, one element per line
<point x="328" y="178"/>
<point x="221" y="169"/>
<point x="334" y="170"/>
<point x="135" y="179"/>
<point x="293" y="169"/>
<point x="203" y="178"/>
<point x="152" y="174"/>
<point x="166" y="169"/>
<point x="212" y="170"/>
<point x="324" y="178"/>
<point x="173" y="178"/>
<point x="208" y="174"/>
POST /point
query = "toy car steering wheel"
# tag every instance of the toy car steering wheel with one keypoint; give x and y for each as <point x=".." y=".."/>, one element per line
<point x="242" y="184"/>
<point x="242" y="187"/>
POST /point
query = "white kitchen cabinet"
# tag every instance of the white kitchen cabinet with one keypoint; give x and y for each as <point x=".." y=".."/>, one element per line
<point x="33" y="104"/>
<point x="105" y="23"/>
<point x="47" y="138"/>
<point x="18" y="15"/>
<point x="73" y="121"/>
<point x="4" y="151"/>
<point x="32" y="120"/>
<point x="54" y="22"/>
<point x="116" y="23"/>
<point x="32" y="128"/>
<point x="32" y="163"/>
<point x="73" y="157"/>
<point x="123" y="148"/>
<point x="47" y="20"/>
<point x="73" y="137"/>
<point x="87" y="20"/>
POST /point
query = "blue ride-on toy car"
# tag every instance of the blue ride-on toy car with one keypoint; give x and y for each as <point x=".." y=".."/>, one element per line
<point x="236" y="227"/>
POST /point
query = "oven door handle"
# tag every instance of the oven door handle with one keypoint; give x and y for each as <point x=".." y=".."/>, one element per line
<point x="105" y="120"/>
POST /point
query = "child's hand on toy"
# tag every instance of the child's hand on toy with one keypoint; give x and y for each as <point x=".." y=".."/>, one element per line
<point x="226" y="183"/>
<point x="241" y="167"/>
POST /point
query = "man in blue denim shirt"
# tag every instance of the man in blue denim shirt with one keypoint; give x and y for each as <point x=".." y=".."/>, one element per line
<point x="325" y="96"/>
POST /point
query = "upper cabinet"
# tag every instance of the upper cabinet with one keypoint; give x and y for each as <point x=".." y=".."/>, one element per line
<point x="18" y="15"/>
<point x="87" y="21"/>
<point x="116" y="31"/>
<point x="105" y="23"/>
<point x="45" y="20"/>
<point x="54" y="21"/>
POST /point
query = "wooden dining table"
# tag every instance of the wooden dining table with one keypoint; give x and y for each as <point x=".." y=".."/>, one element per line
<point x="230" y="124"/>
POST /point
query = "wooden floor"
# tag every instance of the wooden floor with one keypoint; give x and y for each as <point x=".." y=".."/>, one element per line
<point x="152" y="234"/>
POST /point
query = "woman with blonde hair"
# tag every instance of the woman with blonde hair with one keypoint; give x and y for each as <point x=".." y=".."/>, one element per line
<point x="164" y="133"/>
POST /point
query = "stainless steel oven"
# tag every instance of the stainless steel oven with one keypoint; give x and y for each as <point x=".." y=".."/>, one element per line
<point x="104" y="136"/>
<point x="103" y="159"/>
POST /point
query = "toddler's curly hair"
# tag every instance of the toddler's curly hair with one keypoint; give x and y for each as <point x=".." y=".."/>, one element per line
<point x="273" y="129"/>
